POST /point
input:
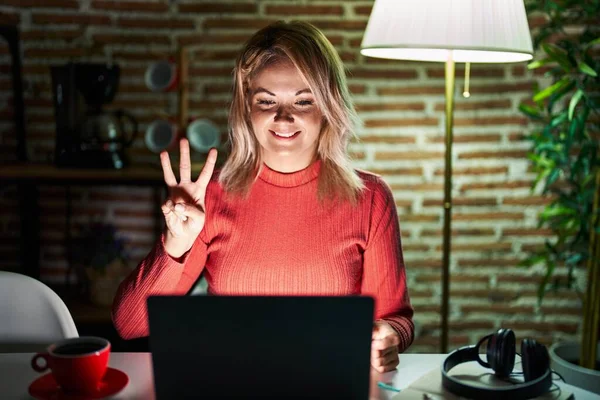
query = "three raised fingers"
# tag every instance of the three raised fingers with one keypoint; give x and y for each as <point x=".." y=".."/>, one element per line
<point x="185" y="168"/>
<point x="185" y="165"/>
<point x="206" y="174"/>
<point x="168" y="174"/>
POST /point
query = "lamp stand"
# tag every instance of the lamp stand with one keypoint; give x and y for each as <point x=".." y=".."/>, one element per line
<point x="449" y="75"/>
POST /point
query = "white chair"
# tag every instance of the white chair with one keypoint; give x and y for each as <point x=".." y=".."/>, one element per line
<point x="31" y="315"/>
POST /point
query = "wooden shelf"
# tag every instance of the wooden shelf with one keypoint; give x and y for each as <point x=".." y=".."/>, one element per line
<point x="46" y="173"/>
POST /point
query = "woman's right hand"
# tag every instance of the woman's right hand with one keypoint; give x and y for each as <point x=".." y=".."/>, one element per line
<point x="184" y="209"/>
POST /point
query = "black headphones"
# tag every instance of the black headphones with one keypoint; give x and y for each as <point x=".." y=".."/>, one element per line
<point x="501" y="358"/>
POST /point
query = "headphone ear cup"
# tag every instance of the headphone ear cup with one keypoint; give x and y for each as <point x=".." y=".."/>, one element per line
<point x="491" y="350"/>
<point x="534" y="358"/>
<point x="502" y="351"/>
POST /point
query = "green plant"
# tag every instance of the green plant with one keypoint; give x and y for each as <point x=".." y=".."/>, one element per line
<point x="564" y="151"/>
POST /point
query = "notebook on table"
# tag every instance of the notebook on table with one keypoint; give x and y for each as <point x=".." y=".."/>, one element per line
<point x="267" y="346"/>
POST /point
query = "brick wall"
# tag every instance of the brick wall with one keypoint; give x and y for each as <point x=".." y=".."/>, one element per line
<point x="400" y="103"/>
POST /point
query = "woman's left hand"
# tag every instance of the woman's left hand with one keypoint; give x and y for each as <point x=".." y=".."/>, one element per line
<point x="384" y="347"/>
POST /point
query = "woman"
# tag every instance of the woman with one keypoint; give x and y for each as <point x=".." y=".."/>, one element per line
<point x="286" y="214"/>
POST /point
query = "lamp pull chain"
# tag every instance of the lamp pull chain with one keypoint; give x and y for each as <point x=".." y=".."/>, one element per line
<point x="467" y="73"/>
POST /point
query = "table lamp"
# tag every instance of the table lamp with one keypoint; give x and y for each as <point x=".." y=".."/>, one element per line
<point x="448" y="31"/>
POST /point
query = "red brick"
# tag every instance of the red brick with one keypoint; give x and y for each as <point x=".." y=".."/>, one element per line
<point x="416" y="90"/>
<point x="542" y="326"/>
<point x="429" y="278"/>
<point x="218" y="7"/>
<point x="497" y="309"/>
<point x="416" y="171"/>
<point x="120" y="38"/>
<point x="417" y="247"/>
<point x="487" y="262"/>
<point x="42" y="34"/>
<point x="211" y="71"/>
<point x="491" y="120"/>
<point x="80" y="19"/>
<point x="304" y="10"/>
<point x="459" y="232"/>
<point x="525" y="201"/>
<point x="200" y="38"/>
<point x="490" y="294"/>
<point x="460" y="325"/>
<point x="232" y="23"/>
<point x="473" y="171"/>
<point x="476" y="105"/>
<point x="124" y="6"/>
<point x="363" y="10"/>
<point x="520" y="154"/>
<point x="400" y="122"/>
<point x="9" y="18"/>
<point x="478" y="247"/>
<point x="464" y="201"/>
<point x="156" y="23"/>
<point x="357" y="88"/>
<point x="41" y="3"/>
<point x="524" y="279"/>
<point x="526" y="232"/>
<point x="476" y="72"/>
<point x="424" y="263"/>
<point x="484" y="138"/>
<point x="387" y="139"/>
<point x="407" y="155"/>
<point x="419" y="218"/>
<point x="496" y="185"/>
<point x="382" y="73"/>
<point x="501" y="88"/>
<point x="390" y="106"/>
<point x="339" y="24"/>
<point x="488" y="216"/>
<point x="33" y="52"/>
<point x="518" y="70"/>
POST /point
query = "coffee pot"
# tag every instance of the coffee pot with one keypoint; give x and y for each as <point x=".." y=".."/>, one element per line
<point x="87" y="135"/>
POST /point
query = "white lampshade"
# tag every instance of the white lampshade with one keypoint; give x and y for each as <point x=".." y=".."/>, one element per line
<point x="486" y="31"/>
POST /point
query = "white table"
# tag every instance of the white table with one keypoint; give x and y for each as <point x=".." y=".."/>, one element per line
<point x="16" y="375"/>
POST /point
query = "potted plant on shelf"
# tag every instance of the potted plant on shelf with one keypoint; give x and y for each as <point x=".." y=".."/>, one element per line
<point x="99" y="253"/>
<point x="564" y="154"/>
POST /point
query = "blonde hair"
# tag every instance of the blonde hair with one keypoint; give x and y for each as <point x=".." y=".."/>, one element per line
<point x="320" y="65"/>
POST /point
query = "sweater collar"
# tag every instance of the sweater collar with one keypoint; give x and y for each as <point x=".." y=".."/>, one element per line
<point x="290" y="179"/>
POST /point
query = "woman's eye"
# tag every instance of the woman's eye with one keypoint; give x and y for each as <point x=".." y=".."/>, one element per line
<point x="265" y="102"/>
<point x="304" y="103"/>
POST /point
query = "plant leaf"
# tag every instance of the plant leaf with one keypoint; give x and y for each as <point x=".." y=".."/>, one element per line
<point x="530" y="111"/>
<point x="550" y="90"/>
<point x="586" y="69"/>
<point x="538" y="63"/>
<point x="592" y="43"/>
<point x="573" y="103"/>
<point x="557" y="54"/>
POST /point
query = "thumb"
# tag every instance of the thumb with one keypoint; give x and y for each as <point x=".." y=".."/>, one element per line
<point x="190" y="211"/>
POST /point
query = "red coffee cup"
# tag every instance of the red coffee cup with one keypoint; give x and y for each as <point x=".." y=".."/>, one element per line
<point x="77" y="364"/>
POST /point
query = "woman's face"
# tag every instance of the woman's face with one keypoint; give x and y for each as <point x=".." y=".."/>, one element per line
<point x="285" y="117"/>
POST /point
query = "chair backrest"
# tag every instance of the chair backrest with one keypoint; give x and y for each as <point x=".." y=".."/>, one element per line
<point x="31" y="315"/>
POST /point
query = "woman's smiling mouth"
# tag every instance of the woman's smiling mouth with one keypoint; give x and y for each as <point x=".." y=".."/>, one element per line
<point x="284" y="135"/>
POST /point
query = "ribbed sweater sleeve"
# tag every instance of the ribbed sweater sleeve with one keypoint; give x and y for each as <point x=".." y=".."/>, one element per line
<point x="384" y="275"/>
<point x="157" y="274"/>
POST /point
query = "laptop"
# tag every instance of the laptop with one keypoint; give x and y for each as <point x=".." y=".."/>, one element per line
<point x="267" y="346"/>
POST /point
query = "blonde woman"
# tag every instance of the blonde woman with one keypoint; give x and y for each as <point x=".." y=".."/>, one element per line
<point x="286" y="215"/>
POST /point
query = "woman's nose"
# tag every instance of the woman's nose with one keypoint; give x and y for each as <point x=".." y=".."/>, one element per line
<point x="284" y="113"/>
